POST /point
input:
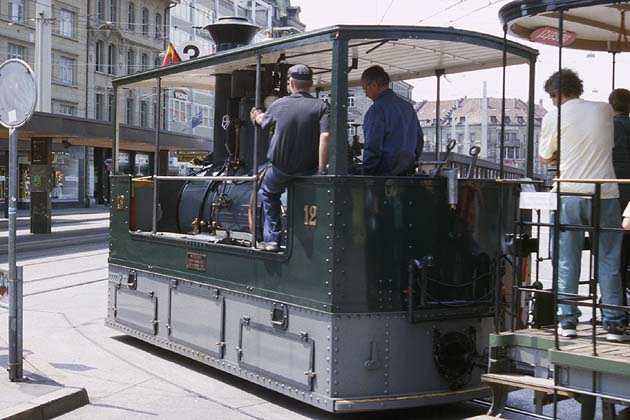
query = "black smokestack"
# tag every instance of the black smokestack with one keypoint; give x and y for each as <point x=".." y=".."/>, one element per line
<point x="231" y="32"/>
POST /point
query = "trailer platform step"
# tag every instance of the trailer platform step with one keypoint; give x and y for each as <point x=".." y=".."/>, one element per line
<point x="517" y="380"/>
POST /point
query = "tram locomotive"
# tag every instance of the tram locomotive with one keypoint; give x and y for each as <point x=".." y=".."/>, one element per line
<point x="383" y="293"/>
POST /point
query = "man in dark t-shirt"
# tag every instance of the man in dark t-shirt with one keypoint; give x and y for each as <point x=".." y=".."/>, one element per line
<point x="299" y="146"/>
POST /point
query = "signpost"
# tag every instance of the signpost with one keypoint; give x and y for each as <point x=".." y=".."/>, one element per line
<point x="18" y="96"/>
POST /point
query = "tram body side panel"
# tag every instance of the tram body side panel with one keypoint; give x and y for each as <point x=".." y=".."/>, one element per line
<point x="300" y="275"/>
<point x="350" y="242"/>
<point x="314" y="356"/>
<point x="382" y="224"/>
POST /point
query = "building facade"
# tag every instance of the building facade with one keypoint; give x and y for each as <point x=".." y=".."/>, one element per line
<point x="192" y="110"/>
<point x="477" y="122"/>
<point x="92" y="42"/>
<point x="358" y="104"/>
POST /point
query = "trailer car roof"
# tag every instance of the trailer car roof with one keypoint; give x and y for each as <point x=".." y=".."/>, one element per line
<point x="599" y="25"/>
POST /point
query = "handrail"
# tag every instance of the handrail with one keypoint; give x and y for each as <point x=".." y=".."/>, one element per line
<point x="204" y="178"/>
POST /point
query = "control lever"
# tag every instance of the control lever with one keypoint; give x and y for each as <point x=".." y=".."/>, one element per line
<point x="474" y="154"/>
<point x="449" y="147"/>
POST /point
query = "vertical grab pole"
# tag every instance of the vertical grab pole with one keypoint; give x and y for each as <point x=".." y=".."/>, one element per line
<point x="14" y="281"/>
<point x="502" y="143"/>
<point x="116" y="139"/>
<point x="254" y="210"/>
<point x="556" y="224"/>
<point x="531" y="119"/>
<point x="438" y="75"/>
<point x="596" y="223"/>
<point x="614" y="68"/>
<point x="556" y="219"/>
<point x="156" y="157"/>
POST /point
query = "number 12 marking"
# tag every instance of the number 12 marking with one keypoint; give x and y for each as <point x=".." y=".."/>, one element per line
<point x="310" y="215"/>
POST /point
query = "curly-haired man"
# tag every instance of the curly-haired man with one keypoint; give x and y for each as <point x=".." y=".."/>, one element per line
<point x="586" y="138"/>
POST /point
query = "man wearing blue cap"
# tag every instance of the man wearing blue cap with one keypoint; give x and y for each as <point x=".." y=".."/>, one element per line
<point x="298" y="147"/>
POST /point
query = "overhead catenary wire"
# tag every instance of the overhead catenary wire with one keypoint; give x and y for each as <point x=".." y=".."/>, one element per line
<point x="477" y="10"/>
<point x="458" y="3"/>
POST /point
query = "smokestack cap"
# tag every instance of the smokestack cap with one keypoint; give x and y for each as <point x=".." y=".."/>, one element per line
<point x="231" y="32"/>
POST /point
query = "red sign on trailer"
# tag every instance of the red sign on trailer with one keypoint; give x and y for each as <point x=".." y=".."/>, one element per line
<point x="550" y="36"/>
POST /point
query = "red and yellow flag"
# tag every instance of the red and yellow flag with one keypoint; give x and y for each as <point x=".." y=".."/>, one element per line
<point x="171" y="55"/>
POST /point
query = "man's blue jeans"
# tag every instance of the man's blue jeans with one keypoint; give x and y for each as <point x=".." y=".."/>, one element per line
<point x="577" y="211"/>
<point x="274" y="184"/>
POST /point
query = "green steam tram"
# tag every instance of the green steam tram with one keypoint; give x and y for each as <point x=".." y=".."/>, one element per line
<point x="383" y="294"/>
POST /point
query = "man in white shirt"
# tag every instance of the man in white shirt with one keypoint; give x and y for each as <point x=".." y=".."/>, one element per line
<point x="587" y="140"/>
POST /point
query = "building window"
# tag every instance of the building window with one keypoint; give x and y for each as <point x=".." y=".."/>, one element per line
<point x="473" y="139"/>
<point x="493" y="119"/>
<point x="67" y="109"/>
<point x="157" y="62"/>
<point x="16" y="10"/>
<point x="204" y="112"/>
<point x="180" y="111"/>
<point x="352" y="130"/>
<point x="155" y="115"/>
<point x="130" y="111"/>
<point x="67" y="21"/>
<point x="111" y="59"/>
<point x="113" y="11"/>
<point x="145" y="21"/>
<point x="158" y="26"/>
<point x="99" y="56"/>
<point x="520" y="119"/>
<point x="508" y="120"/>
<point x="100" y="9"/>
<point x="131" y="61"/>
<point x="144" y="117"/>
<point x="16" y="51"/>
<point x="66" y="70"/>
<point x="351" y="101"/>
<point x="98" y="107"/>
<point x="512" y="152"/>
<point x="65" y="182"/>
<point x="145" y="62"/>
<point x="462" y="120"/>
<point x="110" y="107"/>
<point x="131" y="17"/>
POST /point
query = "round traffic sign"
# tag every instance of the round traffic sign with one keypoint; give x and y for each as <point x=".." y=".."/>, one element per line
<point x="18" y="93"/>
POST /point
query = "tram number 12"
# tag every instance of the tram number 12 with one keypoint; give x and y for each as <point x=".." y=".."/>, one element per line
<point x="310" y="215"/>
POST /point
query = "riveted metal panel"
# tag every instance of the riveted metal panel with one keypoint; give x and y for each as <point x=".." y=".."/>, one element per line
<point x="384" y="354"/>
<point x="196" y="317"/>
<point x="136" y="309"/>
<point x="277" y="353"/>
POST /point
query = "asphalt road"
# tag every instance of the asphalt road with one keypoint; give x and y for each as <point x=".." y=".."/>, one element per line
<point x="66" y="340"/>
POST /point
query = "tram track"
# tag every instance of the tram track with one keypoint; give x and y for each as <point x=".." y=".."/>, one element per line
<point x="513" y="410"/>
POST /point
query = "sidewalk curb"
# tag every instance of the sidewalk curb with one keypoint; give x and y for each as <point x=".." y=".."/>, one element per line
<point x="48" y="406"/>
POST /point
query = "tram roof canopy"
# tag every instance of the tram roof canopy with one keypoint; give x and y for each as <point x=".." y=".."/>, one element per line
<point x="594" y="25"/>
<point x="406" y="52"/>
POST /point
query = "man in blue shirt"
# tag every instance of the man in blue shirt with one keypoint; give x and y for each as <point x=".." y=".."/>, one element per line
<point x="393" y="137"/>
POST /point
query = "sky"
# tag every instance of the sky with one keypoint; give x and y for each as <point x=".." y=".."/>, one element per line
<point x="476" y="15"/>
